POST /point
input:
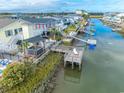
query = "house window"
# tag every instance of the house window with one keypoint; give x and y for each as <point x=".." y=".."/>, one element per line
<point x="38" y="26"/>
<point x="35" y="26"/>
<point x="43" y="26"/>
<point x="8" y="33"/>
<point x="20" y="29"/>
<point x="16" y="31"/>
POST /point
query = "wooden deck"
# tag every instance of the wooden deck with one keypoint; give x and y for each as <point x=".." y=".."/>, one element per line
<point x="69" y="56"/>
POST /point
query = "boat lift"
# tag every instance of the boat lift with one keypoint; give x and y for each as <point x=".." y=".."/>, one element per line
<point x="89" y="33"/>
<point x="89" y="41"/>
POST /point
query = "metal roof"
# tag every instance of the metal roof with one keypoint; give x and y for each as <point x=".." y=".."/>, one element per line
<point x="39" y="20"/>
<point x="6" y="21"/>
<point x="35" y="39"/>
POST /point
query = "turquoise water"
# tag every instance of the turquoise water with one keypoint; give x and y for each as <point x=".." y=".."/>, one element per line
<point x="103" y="68"/>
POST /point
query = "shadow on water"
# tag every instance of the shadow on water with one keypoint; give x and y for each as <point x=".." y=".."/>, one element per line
<point x="72" y="76"/>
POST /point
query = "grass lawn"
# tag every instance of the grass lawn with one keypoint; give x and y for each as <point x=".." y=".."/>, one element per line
<point x="67" y="43"/>
<point x="70" y="28"/>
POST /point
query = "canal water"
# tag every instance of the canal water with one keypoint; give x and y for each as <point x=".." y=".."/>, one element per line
<point x="103" y="67"/>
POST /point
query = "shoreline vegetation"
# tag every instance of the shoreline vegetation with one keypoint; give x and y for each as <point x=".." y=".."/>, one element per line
<point x="42" y="79"/>
<point x="96" y="16"/>
<point x="121" y="32"/>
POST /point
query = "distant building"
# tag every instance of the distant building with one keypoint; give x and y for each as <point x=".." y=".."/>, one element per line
<point x="113" y="17"/>
<point x="120" y="15"/>
<point x="80" y="12"/>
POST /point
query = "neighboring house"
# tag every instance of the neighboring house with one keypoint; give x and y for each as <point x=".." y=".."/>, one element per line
<point x="39" y="25"/>
<point x="61" y="23"/>
<point x="74" y="18"/>
<point x="64" y="21"/>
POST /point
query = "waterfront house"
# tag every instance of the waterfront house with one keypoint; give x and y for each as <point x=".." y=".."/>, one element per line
<point x="28" y="27"/>
<point x="12" y="30"/>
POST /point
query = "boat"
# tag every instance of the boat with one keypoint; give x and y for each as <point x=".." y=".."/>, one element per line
<point x="116" y="29"/>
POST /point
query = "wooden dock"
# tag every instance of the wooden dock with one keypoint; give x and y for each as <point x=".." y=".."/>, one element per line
<point x="69" y="56"/>
<point x="62" y="49"/>
<point x="72" y="58"/>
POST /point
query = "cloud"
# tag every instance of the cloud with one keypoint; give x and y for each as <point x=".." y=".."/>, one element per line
<point x="18" y="4"/>
<point x="61" y="5"/>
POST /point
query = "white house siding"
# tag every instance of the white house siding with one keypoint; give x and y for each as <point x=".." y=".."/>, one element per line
<point x="12" y="26"/>
<point x="35" y="31"/>
<point x="25" y="31"/>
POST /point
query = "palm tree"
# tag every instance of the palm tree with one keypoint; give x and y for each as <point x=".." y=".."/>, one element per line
<point x="54" y="31"/>
<point x="85" y="16"/>
<point x="122" y="18"/>
<point x="24" y="45"/>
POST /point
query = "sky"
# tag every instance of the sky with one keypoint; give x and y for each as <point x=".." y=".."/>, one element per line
<point x="61" y="5"/>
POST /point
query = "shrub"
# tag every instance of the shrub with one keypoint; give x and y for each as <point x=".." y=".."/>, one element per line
<point x="15" y="74"/>
<point x="58" y="38"/>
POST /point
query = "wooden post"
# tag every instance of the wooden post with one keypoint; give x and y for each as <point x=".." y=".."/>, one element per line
<point x="18" y="57"/>
<point x="72" y="65"/>
<point x="2" y="55"/>
<point x="79" y="66"/>
<point x="64" y="63"/>
<point x="10" y="56"/>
